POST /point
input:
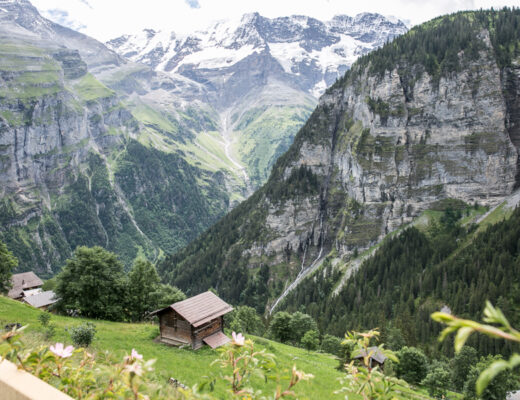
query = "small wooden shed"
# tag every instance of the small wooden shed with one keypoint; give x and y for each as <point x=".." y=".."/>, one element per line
<point x="194" y="321"/>
<point x="376" y="357"/>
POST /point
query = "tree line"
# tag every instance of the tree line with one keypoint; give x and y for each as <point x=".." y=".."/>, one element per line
<point x="419" y="272"/>
<point x="93" y="284"/>
<point x="444" y="45"/>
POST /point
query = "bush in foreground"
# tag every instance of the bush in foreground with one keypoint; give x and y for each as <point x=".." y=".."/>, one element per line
<point x="492" y="377"/>
<point x="77" y="373"/>
<point x="83" y="335"/>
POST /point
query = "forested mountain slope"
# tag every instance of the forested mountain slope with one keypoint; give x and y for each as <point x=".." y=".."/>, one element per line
<point x="432" y="115"/>
<point x="446" y="262"/>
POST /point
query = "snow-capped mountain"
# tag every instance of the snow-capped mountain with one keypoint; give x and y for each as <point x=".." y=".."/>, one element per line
<point x="309" y="53"/>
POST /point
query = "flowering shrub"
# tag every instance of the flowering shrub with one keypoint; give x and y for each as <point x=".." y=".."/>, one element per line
<point x="76" y="373"/>
<point x="364" y="379"/>
<point x="239" y="362"/>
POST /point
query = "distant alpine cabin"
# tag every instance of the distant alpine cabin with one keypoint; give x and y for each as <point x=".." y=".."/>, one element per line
<point x="24" y="284"/>
<point x="194" y="321"/>
<point x="376" y="357"/>
<point x="27" y="287"/>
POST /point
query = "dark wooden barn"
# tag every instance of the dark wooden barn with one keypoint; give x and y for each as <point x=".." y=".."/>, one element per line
<point x="194" y="321"/>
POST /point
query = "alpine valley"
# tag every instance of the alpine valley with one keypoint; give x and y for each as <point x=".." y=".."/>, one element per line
<point x="348" y="186"/>
<point x="396" y="197"/>
<point x="142" y="144"/>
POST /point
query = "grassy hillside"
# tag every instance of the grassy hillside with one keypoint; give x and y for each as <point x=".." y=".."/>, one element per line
<point x="185" y="365"/>
<point x="265" y="133"/>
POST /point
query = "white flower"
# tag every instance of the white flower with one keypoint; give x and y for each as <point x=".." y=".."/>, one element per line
<point x="135" y="355"/>
<point x="62" y="352"/>
<point x="238" y="339"/>
<point x="134" y="368"/>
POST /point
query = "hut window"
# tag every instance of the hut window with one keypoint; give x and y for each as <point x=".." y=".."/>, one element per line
<point x="175" y="322"/>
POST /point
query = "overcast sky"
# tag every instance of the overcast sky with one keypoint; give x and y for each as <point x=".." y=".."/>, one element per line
<point x="107" y="19"/>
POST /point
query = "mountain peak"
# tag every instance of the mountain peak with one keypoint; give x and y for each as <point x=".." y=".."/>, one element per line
<point x="313" y="53"/>
<point x="250" y="17"/>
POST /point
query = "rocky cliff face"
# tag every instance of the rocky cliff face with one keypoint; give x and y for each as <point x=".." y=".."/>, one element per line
<point x="80" y="164"/>
<point x="390" y="140"/>
<point x="99" y="150"/>
<point x="395" y="150"/>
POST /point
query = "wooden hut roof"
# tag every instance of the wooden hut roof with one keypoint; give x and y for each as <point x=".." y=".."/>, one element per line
<point x="42" y="299"/>
<point x="204" y="307"/>
<point x="198" y="310"/>
<point x="375" y="354"/>
<point x="25" y="280"/>
<point x="216" y="340"/>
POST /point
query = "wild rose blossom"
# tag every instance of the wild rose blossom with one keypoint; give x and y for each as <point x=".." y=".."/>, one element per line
<point x="60" y="351"/>
<point x="135" y="355"/>
<point x="134" y="368"/>
<point x="238" y="339"/>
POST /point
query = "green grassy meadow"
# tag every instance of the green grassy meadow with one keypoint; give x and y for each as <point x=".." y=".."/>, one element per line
<point x="188" y="366"/>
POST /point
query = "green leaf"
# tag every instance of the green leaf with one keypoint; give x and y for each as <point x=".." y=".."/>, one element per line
<point x="514" y="361"/>
<point x="462" y="336"/>
<point x="489" y="373"/>
<point x="495" y="315"/>
<point x="442" y="317"/>
<point x="446" y="332"/>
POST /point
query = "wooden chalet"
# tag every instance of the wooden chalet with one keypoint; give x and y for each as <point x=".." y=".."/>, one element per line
<point x="194" y="321"/>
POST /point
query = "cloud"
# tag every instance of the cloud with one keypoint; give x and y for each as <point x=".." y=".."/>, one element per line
<point x="193" y="3"/>
<point x="107" y="19"/>
<point x="62" y="17"/>
<point x="86" y="3"/>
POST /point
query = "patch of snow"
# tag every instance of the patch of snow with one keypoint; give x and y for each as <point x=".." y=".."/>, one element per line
<point x="346" y="51"/>
<point x="217" y="57"/>
<point x="227" y="42"/>
<point x="319" y="88"/>
<point x="288" y="54"/>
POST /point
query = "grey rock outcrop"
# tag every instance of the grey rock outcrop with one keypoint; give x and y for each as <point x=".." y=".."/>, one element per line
<point x="447" y="139"/>
<point x="80" y="167"/>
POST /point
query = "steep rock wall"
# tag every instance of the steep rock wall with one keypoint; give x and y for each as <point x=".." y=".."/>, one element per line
<point x="395" y="149"/>
<point x="72" y="171"/>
